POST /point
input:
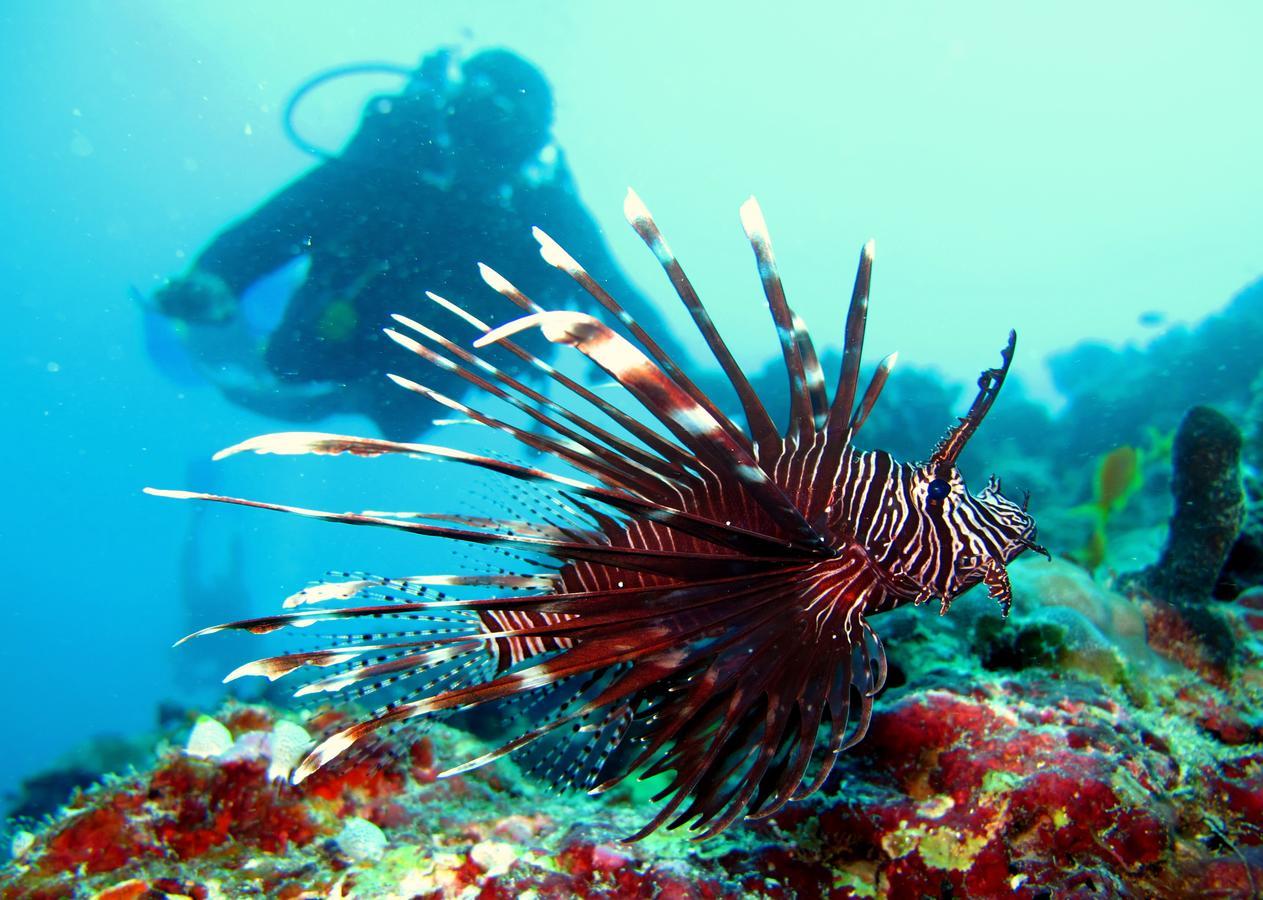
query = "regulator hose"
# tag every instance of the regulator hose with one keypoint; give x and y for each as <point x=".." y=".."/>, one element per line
<point x="324" y="77"/>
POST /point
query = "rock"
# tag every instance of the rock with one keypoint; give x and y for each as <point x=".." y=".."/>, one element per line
<point x="1209" y="511"/>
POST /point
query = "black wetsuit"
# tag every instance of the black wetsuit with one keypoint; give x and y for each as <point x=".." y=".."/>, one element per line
<point x="386" y="222"/>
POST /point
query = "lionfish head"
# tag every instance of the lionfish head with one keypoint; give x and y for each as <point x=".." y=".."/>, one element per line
<point x="977" y="534"/>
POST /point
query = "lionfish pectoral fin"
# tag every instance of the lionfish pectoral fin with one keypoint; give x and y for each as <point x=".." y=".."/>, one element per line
<point x="989" y="384"/>
<point x="996" y="578"/>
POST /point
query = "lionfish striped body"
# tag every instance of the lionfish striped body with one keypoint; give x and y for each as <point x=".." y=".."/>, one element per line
<point x="697" y="602"/>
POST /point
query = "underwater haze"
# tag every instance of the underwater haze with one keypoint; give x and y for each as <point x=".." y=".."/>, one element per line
<point x="1087" y="174"/>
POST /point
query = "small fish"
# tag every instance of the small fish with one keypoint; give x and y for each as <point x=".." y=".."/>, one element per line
<point x="1118" y="477"/>
<point x="694" y="604"/>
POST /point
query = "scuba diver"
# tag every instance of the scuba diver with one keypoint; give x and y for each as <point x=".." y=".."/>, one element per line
<point x="455" y="168"/>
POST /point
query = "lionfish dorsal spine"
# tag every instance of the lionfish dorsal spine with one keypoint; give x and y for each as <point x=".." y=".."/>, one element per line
<point x="555" y="256"/>
<point x="760" y="423"/>
<point x="801" y="415"/>
<point x="670" y="452"/>
<point x="672" y="405"/>
<point x="629" y="468"/>
<point x="852" y="348"/>
<point x="661" y="467"/>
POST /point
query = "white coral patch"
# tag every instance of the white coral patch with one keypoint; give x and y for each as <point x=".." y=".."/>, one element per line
<point x="493" y="857"/>
<point x="361" y="841"/>
<point x="290" y="742"/>
<point x="208" y="739"/>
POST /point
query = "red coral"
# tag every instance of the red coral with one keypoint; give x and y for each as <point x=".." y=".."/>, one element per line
<point x="1169" y="634"/>
<point x="365" y="786"/>
<point x="242" y="719"/>
<point x="132" y="889"/>
<point x="1236" y="790"/>
<point x="101" y="839"/>
<point x="204" y="804"/>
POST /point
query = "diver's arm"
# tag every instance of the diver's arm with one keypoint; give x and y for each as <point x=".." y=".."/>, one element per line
<point x="279" y="230"/>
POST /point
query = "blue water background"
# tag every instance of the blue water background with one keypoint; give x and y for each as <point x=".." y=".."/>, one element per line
<point x="1062" y="169"/>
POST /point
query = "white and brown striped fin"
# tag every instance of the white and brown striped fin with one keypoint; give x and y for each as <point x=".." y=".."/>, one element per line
<point x="345" y="590"/>
<point x="726" y="534"/>
<point x="692" y="425"/>
<point x="274" y="667"/>
<point x="669" y="563"/>
<point x="556" y="256"/>
<point x="871" y="393"/>
<point x="813" y="373"/>
<point x="852" y="350"/>
<point x="761" y="427"/>
<point x="670" y="452"/>
<point x="611" y="448"/>
<point x="654" y="461"/>
<point x="504" y="526"/>
<point x="620" y="470"/>
<point x="562" y="448"/>
<point x="801" y="413"/>
<point x="838" y="425"/>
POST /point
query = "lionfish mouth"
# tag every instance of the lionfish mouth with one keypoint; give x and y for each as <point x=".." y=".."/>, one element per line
<point x="643" y="622"/>
<point x="1023" y="544"/>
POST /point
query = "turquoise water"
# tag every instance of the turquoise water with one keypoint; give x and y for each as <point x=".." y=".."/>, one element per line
<point x="1067" y="172"/>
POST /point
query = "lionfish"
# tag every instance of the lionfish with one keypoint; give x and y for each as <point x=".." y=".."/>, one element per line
<point x="695" y="606"/>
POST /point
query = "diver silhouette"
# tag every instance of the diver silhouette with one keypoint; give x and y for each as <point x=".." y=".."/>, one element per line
<point x="455" y="168"/>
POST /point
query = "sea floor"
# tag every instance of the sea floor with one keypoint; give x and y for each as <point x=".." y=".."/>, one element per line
<point x="1092" y="745"/>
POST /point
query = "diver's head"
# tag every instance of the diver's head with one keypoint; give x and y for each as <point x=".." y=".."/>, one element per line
<point x="503" y="110"/>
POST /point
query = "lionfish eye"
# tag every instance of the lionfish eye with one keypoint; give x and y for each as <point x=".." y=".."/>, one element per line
<point x="939" y="488"/>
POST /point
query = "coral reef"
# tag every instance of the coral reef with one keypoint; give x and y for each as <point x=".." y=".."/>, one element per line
<point x="1090" y="747"/>
<point x="1114" y="396"/>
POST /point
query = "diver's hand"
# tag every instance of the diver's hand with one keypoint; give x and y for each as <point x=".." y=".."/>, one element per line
<point x="198" y="297"/>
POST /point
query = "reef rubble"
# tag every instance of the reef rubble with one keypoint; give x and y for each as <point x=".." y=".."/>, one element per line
<point x="1087" y="748"/>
